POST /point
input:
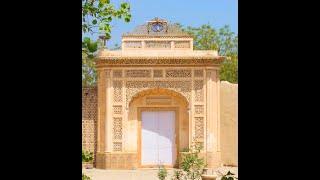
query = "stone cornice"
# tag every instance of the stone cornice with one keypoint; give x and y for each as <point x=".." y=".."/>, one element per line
<point x="155" y="36"/>
<point x="159" y="61"/>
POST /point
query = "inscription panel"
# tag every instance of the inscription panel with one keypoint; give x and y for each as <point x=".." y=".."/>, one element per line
<point x="158" y="100"/>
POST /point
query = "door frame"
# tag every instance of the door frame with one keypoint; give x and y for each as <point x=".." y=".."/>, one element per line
<point x="150" y="109"/>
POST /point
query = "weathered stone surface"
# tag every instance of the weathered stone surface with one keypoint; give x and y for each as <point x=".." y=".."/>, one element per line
<point x="229" y="123"/>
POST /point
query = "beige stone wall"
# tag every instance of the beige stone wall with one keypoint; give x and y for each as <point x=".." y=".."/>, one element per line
<point x="89" y="119"/>
<point x="229" y="123"/>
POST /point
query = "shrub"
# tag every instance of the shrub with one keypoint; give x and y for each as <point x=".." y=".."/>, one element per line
<point x="192" y="164"/>
<point x="85" y="177"/>
<point x="228" y="176"/>
<point x="87" y="156"/>
<point x="162" y="173"/>
<point x="177" y="175"/>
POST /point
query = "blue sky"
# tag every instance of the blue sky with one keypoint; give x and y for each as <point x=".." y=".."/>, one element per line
<point x="187" y="12"/>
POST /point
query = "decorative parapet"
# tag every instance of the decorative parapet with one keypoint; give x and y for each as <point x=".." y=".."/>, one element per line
<point x="133" y="58"/>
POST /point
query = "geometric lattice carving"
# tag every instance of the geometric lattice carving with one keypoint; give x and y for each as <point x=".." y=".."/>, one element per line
<point x="178" y="73"/>
<point x="107" y="73"/>
<point x="162" y="61"/>
<point x="117" y="96"/>
<point x="158" y="44"/>
<point x="157" y="73"/>
<point x="133" y="87"/>
<point x="198" y="109"/>
<point x="198" y="73"/>
<point x="117" y="73"/>
<point x="182" y="44"/>
<point x="198" y="87"/>
<point x="133" y="44"/>
<point x="89" y="119"/>
<point x="138" y="73"/>
<point x="199" y="128"/>
<point x="117" y="109"/>
<point x="117" y="128"/>
<point x="117" y="146"/>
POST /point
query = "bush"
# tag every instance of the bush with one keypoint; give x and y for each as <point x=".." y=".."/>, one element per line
<point x="228" y="176"/>
<point x="85" y="177"/>
<point x="177" y="175"/>
<point x="162" y="173"/>
<point x="192" y="164"/>
<point x="87" y="156"/>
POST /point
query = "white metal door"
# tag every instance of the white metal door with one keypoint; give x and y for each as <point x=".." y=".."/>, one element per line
<point x="158" y="138"/>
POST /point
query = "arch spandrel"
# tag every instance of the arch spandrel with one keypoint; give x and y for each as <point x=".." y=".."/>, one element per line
<point x="159" y="91"/>
<point x="180" y="88"/>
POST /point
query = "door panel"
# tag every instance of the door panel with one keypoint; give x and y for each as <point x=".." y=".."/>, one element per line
<point x="149" y="153"/>
<point x="158" y="138"/>
<point x="166" y="134"/>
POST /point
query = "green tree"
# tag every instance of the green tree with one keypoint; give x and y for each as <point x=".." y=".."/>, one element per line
<point x="100" y="13"/>
<point x="97" y="14"/>
<point x="222" y="40"/>
<point x="89" y="73"/>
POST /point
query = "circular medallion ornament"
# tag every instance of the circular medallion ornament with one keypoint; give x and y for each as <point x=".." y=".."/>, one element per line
<point x="157" y="27"/>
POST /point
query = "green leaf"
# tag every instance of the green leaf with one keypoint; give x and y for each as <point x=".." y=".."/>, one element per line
<point x="104" y="1"/>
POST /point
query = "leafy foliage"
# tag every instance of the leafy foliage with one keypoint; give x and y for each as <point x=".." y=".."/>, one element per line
<point x="222" y="40"/>
<point x="192" y="164"/>
<point x="100" y="13"/>
<point x="89" y="74"/>
<point x="177" y="175"/>
<point x="85" y="177"/>
<point x="97" y="14"/>
<point x="87" y="156"/>
<point x="228" y="176"/>
<point x="162" y="173"/>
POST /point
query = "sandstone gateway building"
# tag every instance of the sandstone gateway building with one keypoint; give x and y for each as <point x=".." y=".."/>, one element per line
<point x="156" y="96"/>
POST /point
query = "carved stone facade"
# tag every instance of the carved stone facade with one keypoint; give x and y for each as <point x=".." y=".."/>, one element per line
<point x="89" y="119"/>
<point x="154" y="73"/>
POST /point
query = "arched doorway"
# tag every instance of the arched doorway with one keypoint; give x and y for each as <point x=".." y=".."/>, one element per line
<point x="162" y="126"/>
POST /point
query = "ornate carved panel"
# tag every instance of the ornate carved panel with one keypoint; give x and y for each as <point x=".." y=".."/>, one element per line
<point x="117" y="95"/>
<point x="198" y="109"/>
<point x="138" y="73"/>
<point x="198" y="88"/>
<point x="160" y="61"/>
<point x="117" y="128"/>
<point x="185" y="73"/>
<point x="133" y="44"/>
<point x="89" y="119"/>
<point x="198" y="73"/>
<point x="117" y="109"/>
<point x="182" y="44"/>
<point x="199" y="128"/>
<point x="158" y="100"/>
<point x="133" y="87"/>
<point x="117" y="73"/>
<point x="107" y="73"/>
<point x="158" y="73"/>
<point x="117" y="146"/>
<point x="158" y="44"/>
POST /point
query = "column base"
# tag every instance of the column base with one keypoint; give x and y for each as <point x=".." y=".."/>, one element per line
<point x="120" y="160"/>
